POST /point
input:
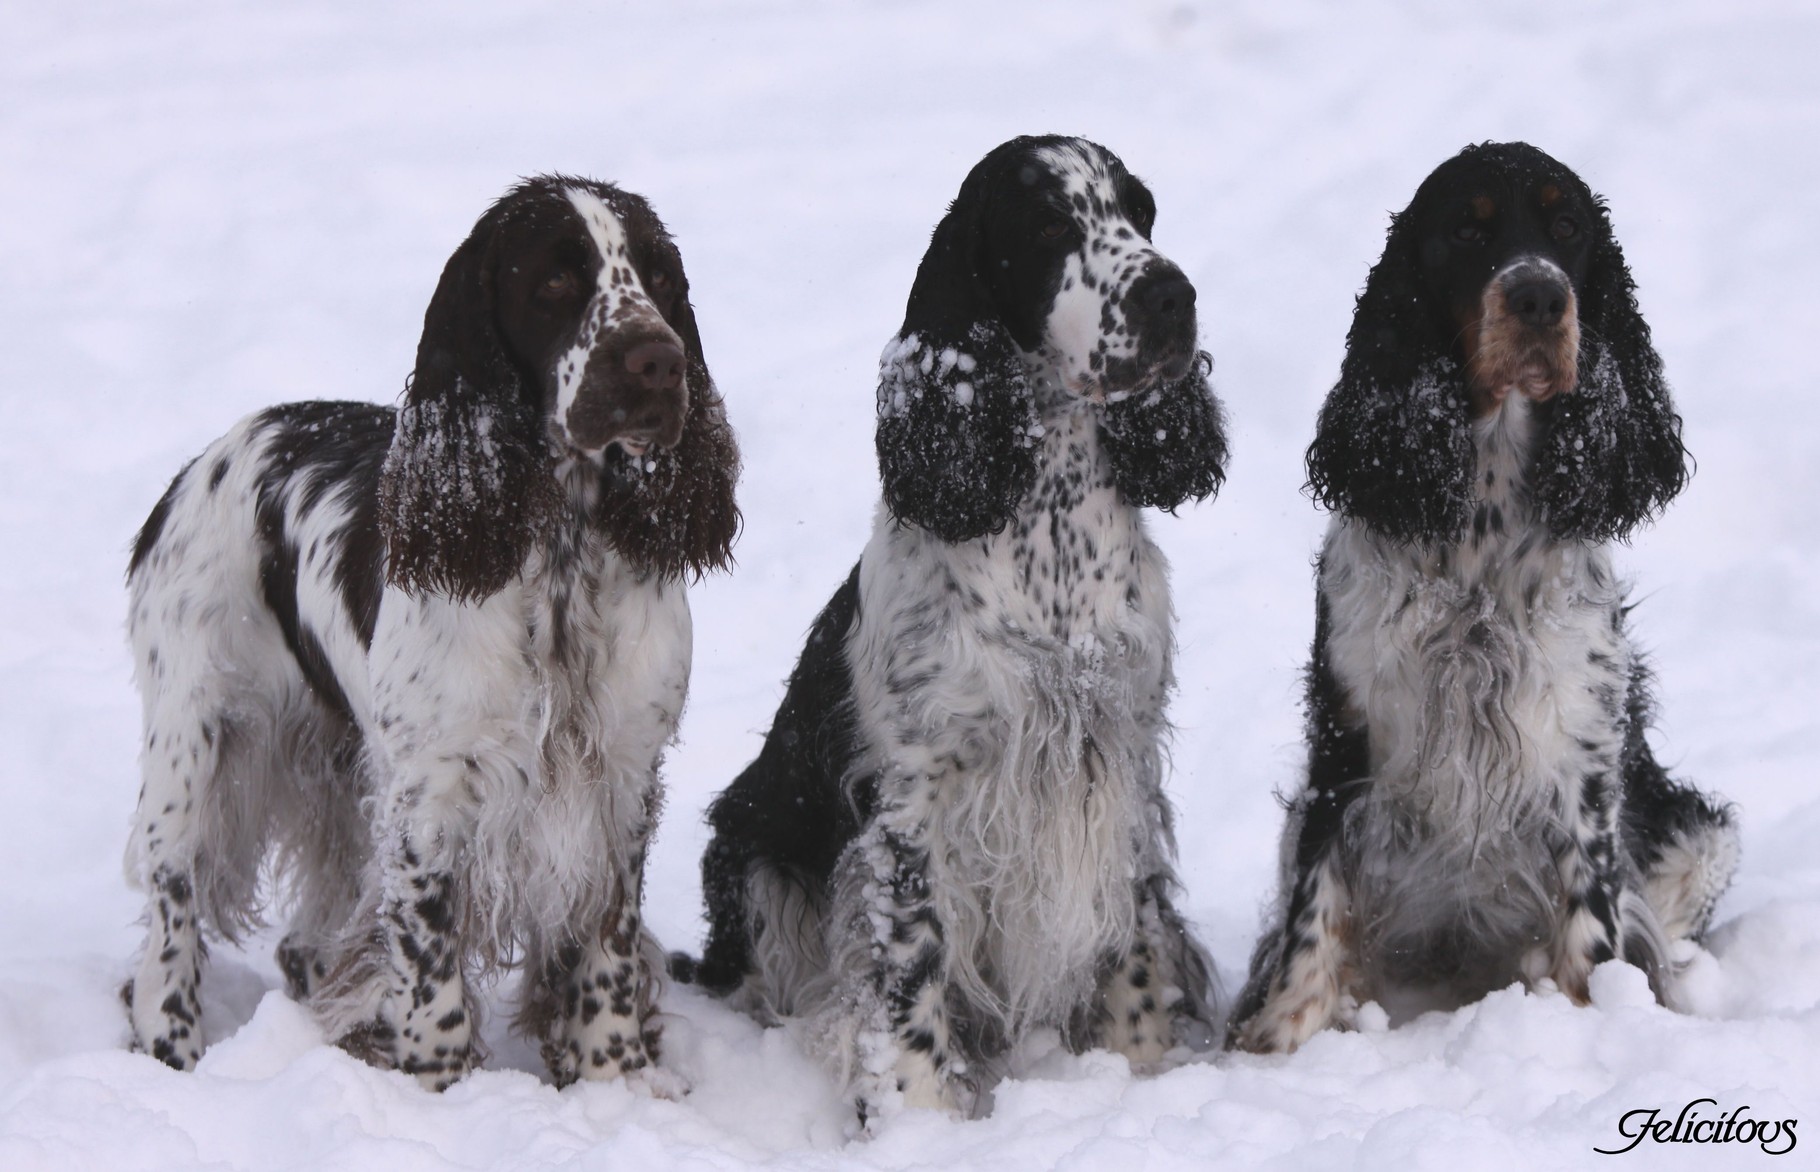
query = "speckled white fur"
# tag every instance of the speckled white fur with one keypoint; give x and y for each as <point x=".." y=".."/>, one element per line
<point x="1491" y="674"/>
<point x="619" y="300"/>
<point x="1087" y="327"/>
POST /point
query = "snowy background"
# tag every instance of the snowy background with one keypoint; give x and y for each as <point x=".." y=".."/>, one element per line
<point x="206" y="208"/>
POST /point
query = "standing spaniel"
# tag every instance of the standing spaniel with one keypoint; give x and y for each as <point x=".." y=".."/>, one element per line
<point x="419" y="667"/>
<point x="1481" y="804"/>
<point x="956" y="831"/>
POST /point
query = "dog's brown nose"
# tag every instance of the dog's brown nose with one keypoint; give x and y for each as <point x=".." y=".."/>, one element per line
<point x="658" y="366"/>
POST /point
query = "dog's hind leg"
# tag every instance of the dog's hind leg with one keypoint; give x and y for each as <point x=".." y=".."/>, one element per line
<point x="1303" y="989"/>
<point x="1683" y="843"/>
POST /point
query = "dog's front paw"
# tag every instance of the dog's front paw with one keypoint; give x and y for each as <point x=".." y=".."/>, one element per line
<point x="438" y="1072"/>
<point x="1284" y="1024"/>
<point x="658" y="1082"/>
<point x="169" y="1030"/>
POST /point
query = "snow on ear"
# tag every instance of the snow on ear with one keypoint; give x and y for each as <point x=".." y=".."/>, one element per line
<point x="468" y="480"/>
<point x="1611" y="458"/>
<point x="1168" y="444"/>
<point x="956" y="416"/>
<point x="1393" y="445"/>
<point x="956" y="433"/>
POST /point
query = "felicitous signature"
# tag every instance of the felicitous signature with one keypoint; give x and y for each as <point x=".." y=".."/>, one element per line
<point x="1692" y="1126"/>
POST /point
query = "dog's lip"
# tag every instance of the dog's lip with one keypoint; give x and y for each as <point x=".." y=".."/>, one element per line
<point x="1151" y="375"/>
<point x="1538" y="382"/>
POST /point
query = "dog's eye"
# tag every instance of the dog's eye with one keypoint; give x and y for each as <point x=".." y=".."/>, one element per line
<point x="559" y="284"/>
<point x="1564" y="228"/>
<point x="1469" y="234"/>
<point x="1055" y="228"/>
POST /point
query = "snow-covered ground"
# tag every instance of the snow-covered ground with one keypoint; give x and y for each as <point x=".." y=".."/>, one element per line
<point x="208" y="207"/>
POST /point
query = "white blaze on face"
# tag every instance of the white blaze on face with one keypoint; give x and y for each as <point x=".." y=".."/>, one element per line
<point x="619" y="296"/>
<point x="1084" y="331"/>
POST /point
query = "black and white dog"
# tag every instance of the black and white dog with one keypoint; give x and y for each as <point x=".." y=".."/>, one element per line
<point x="956" y="830"/>
<point x="1481" y="804"/>
<point x="420" y="666"/>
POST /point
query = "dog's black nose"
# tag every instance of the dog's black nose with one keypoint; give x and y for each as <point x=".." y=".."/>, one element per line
<point x="658" y="366"/>
<point x="1169" y="298"/>
<point x="1537" y="301"/>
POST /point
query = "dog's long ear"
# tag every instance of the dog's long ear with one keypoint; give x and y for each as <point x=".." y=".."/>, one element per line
<point x="468" y="481"/>
<point x="1611" y="457"/>
<point x="956" y="417"/>
<point x="1168" y="445"/>
<point x="1393" y="447"/>
<point x="672" y="511"/>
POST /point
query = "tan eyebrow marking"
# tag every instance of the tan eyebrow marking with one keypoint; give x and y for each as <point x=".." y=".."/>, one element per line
<point x="1483" y="208"/>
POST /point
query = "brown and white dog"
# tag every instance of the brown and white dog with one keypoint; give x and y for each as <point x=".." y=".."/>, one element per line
<point x="423" y="663"/>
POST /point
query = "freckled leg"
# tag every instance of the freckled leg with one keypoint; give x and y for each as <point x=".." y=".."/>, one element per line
<point x="180" y="757"/>
<point x="606" y="1027"/>
<point x="1592" y="890"/>
<point x="1156" y="996"/>
<point x="1305" y="991"/>
<point x="906" y="1048"/>
<point x="426" y="1010"/>
<point x="1302" y="970"/>
<point x="161" y="999"/>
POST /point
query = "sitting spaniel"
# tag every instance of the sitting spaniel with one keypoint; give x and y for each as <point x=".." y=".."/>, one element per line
<point x="1481" y="804"/>
<point x="956" y="832"/>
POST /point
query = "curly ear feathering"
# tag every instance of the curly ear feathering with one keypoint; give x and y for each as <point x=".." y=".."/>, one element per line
<point x="422" y="666"/>
<point x="1394" y="445"/>
<point x="956" y="417"/>
<point x="957" y="831"/>
<point x="1481" y="804"/>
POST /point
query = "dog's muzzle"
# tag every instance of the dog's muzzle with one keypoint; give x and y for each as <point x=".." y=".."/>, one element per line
<point x="634" y="393"/>
<point x="1159" y="313"/>
<point x="1528" y="335"/>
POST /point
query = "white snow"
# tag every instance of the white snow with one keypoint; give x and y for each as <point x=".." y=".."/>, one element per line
<point x="208" y="207"/>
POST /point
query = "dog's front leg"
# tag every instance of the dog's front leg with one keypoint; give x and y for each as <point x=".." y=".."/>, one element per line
<point x="1159" y="994"/>
<point x="906" y="1053"/>
<point x="1307" y="990"/>
<point x="426" y="1009"/>
<point x="608" y="1026"/>
<point x="1592" y="890"/>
